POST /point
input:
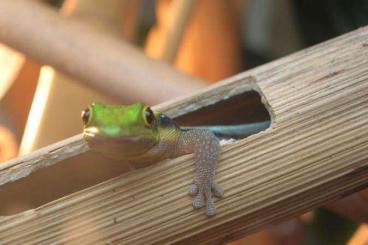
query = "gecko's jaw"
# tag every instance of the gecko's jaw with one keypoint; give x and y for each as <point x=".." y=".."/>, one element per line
<point x="94" y="134"/>
<point x="121" y="146"/>
<point x="90" y="132"/>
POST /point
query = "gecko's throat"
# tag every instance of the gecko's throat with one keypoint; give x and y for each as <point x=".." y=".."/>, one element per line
<point x="120" y="147"/>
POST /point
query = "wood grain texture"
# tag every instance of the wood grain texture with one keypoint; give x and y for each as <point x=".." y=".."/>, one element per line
<point x="315" y="152"/>
<point x="23" y="166"/>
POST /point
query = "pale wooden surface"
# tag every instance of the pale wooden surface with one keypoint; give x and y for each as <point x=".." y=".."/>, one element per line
<point x="316" y="152"/>
<point x="25" y="165"/>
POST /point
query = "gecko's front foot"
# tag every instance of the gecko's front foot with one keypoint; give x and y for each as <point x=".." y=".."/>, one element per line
<point x="203" y="196"/>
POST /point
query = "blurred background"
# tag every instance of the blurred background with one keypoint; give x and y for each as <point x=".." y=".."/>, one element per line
<point x="207" y="39"/>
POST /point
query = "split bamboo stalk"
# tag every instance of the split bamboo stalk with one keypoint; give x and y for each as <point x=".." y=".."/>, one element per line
<point x="316" y="151"/>
<point x="89" y="55"/>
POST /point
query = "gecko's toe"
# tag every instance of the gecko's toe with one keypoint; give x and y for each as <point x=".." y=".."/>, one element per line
<point x="198" y="201"/>
<point x="211" y="209"/>
<point x="217" y="190"/>
<point x="193" y="189"/>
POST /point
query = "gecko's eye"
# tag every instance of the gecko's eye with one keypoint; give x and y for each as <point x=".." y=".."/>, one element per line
<point x="149" y="117"/>
<point x="85" y="116"/>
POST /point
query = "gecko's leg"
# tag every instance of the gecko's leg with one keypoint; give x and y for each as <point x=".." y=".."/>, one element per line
<point x="207" y="150"/>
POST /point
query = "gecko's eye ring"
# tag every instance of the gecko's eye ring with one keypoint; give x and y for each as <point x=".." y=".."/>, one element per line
<point x="85" y="116"/>
<point x="149" y="116"/>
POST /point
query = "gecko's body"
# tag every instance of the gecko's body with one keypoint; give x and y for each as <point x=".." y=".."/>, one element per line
<point x="137" y="134"/>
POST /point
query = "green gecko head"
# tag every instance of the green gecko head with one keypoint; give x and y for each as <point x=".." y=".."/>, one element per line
<point x="120" y="131"/>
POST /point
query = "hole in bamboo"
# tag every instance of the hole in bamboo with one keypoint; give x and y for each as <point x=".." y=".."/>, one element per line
<point x="244" y="114"/>
<point x="86" y="170"/>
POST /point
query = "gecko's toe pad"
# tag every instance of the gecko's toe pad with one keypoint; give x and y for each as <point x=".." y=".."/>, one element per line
<point x="193" y="189"/>
<point x="217" y="190"/>
<point x="199" y="201"/>
<point x="211" y="209"/>
<point x="203" y="197"/>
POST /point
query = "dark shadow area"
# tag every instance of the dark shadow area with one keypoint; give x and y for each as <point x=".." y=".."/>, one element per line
<point x="237" y="117"/>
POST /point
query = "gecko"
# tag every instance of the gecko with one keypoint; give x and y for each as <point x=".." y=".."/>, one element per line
<point x="138" y="134"/>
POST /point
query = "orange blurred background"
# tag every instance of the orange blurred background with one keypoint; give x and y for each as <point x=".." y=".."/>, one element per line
<point x="209" y="39"/>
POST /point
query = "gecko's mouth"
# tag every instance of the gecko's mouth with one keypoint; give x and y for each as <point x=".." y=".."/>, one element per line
<point x="90" y="132"/>
<point x="125" y="146"/>
<point x="93" y="134"/>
